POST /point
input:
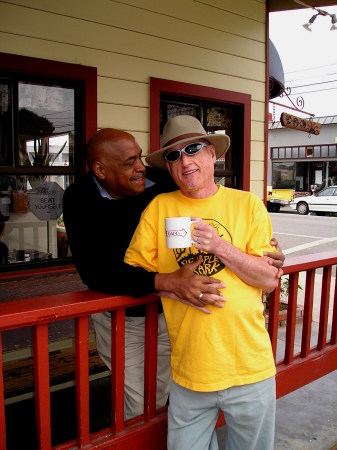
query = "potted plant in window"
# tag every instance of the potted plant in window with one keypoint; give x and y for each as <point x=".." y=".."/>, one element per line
<point x="38" y="129"/>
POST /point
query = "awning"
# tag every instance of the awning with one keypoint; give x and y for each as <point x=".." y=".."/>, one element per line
<point x="276" y="74"/>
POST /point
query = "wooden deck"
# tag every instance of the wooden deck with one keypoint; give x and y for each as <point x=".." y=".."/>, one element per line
<point x="19" y="373"/>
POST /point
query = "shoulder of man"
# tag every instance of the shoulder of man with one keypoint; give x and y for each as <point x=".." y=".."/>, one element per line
<point x="81" y="186"/>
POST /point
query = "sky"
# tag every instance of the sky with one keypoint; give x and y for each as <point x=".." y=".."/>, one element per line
<point x="309" y="61"/>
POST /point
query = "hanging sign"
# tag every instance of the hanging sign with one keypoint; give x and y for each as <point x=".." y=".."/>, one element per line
<point x="46" y="201"/>
<point x="298" y="123"/>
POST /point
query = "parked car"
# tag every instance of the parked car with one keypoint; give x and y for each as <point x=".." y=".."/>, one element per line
<point x="321" y="203"/>
<point x="278" y="197"/>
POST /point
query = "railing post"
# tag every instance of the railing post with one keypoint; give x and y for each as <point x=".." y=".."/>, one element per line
<point x="2" y="404"/>
<point x="82" y="380"/>
<point x="324" y="310"/>
<point x="117" y="369"/>
<point x="274" y="303"/>
<point x="42" y="393"/>
<point x="291" y="318"/>
<point x="334" y="317"/>
<point x="307" y="313"/>
<point x="150" y="363"/>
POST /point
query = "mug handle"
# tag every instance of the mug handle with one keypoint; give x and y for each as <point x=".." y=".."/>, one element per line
<point x="194" y="221"/>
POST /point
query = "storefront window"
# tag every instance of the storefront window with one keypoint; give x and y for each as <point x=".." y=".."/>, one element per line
<point x="333" y="151"/>
<point x="332" y="171"/>
<point x="295" y="152"/>
<point x="38" y="135"/>
<point x="284" y="175"/>
<point x="274" y="153"/>
<point x="42" y="135"/>
<point x="302" y="152"/>
<point x="324" y="151"/>
<point x="317" y="151"/>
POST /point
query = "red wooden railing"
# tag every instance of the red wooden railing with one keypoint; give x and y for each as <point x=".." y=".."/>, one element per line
<point x="312" y="361"/>
<point x="149" y="430"/>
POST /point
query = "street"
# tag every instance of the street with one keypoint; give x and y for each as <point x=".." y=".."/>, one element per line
<point x="304" y="235"/>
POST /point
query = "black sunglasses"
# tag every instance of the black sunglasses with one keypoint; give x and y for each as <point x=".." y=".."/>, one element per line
<point x="189" y="150"/>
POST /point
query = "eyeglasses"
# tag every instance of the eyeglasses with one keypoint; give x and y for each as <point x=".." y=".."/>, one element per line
<point x="189" y="150"/>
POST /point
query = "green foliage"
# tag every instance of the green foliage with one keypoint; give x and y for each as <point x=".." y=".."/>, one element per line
<point x="284" y="290"/>
<point x="60" y="221"/>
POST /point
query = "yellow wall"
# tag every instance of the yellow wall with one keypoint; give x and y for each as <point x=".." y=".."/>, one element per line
<point x="213" y="43"/>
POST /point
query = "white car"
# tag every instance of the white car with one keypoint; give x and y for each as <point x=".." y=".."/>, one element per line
<point x="321" y="203"/>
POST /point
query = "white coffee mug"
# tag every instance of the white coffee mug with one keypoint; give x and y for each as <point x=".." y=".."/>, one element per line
<point x="178" y="232"/>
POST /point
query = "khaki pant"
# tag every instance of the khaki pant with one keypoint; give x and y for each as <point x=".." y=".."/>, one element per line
<point x="249" y="412"/>
<point x="134" y="359"/>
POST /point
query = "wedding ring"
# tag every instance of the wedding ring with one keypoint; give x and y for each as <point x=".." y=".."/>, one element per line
<point x="200" y="296"/>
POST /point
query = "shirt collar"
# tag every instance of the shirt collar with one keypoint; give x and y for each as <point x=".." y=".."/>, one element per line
<point x="102" y="191"/>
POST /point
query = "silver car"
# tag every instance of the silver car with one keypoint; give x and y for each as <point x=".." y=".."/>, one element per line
<point x="321" y="203"/>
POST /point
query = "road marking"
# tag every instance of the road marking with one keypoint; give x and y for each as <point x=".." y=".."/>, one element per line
<point x="309" y="245"/>
<point x="300" y="235"/>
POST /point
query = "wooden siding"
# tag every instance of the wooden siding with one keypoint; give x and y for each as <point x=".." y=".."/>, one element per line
<point x="209" y="43"/>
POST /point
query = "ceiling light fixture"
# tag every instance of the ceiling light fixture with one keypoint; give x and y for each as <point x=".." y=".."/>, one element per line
<point x="307" y="26"/>
<point x="333" y="21"/>
<point x="320" y="12"/>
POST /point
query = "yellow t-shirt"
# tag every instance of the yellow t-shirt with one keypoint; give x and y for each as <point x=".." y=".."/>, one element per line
<point x="231" y="346"/>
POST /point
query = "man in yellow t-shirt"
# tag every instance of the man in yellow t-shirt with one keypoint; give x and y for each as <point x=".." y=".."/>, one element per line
<point x="222" y="360"/>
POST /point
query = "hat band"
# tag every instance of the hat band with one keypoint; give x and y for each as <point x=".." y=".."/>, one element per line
<point x="182" y="137"/>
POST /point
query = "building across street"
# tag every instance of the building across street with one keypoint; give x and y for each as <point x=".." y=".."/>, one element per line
<point x="302" y="161"/>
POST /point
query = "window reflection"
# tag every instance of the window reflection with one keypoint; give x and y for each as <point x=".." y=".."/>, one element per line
<point x="33" y="228"/>
<point x="46" y="125"/>
<point x="6" y="156"/>
<point x="284" y="175"/>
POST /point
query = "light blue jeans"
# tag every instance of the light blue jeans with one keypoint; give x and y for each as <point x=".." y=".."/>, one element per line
<point x="249" y="412"/>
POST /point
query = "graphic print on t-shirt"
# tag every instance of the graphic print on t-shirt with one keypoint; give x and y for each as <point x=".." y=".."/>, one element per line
<point x="211" y="264"/>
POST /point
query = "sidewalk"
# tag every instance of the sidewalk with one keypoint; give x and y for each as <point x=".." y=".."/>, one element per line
<point x="306" y="419"/>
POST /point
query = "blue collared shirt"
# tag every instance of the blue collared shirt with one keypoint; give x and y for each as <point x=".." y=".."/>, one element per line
<point x="102" y="191"/>
<point x="106" y="194"/>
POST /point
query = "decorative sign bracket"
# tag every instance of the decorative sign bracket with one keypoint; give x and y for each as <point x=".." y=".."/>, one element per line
<point x="297" y="123"/>
<point x="299" y="103"/>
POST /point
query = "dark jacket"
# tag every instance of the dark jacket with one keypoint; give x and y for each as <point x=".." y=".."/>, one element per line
<point x="99" y="231"/>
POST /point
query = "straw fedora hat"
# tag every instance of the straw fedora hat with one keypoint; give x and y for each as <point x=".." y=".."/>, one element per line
<point x="184" y="129"/>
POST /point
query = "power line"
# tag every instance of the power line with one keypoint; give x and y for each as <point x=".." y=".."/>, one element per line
<point x="312" y="84"/>
<point x="314" y="92"/>
<point x="317" y="78"/>
<point x="312" y="68"/>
